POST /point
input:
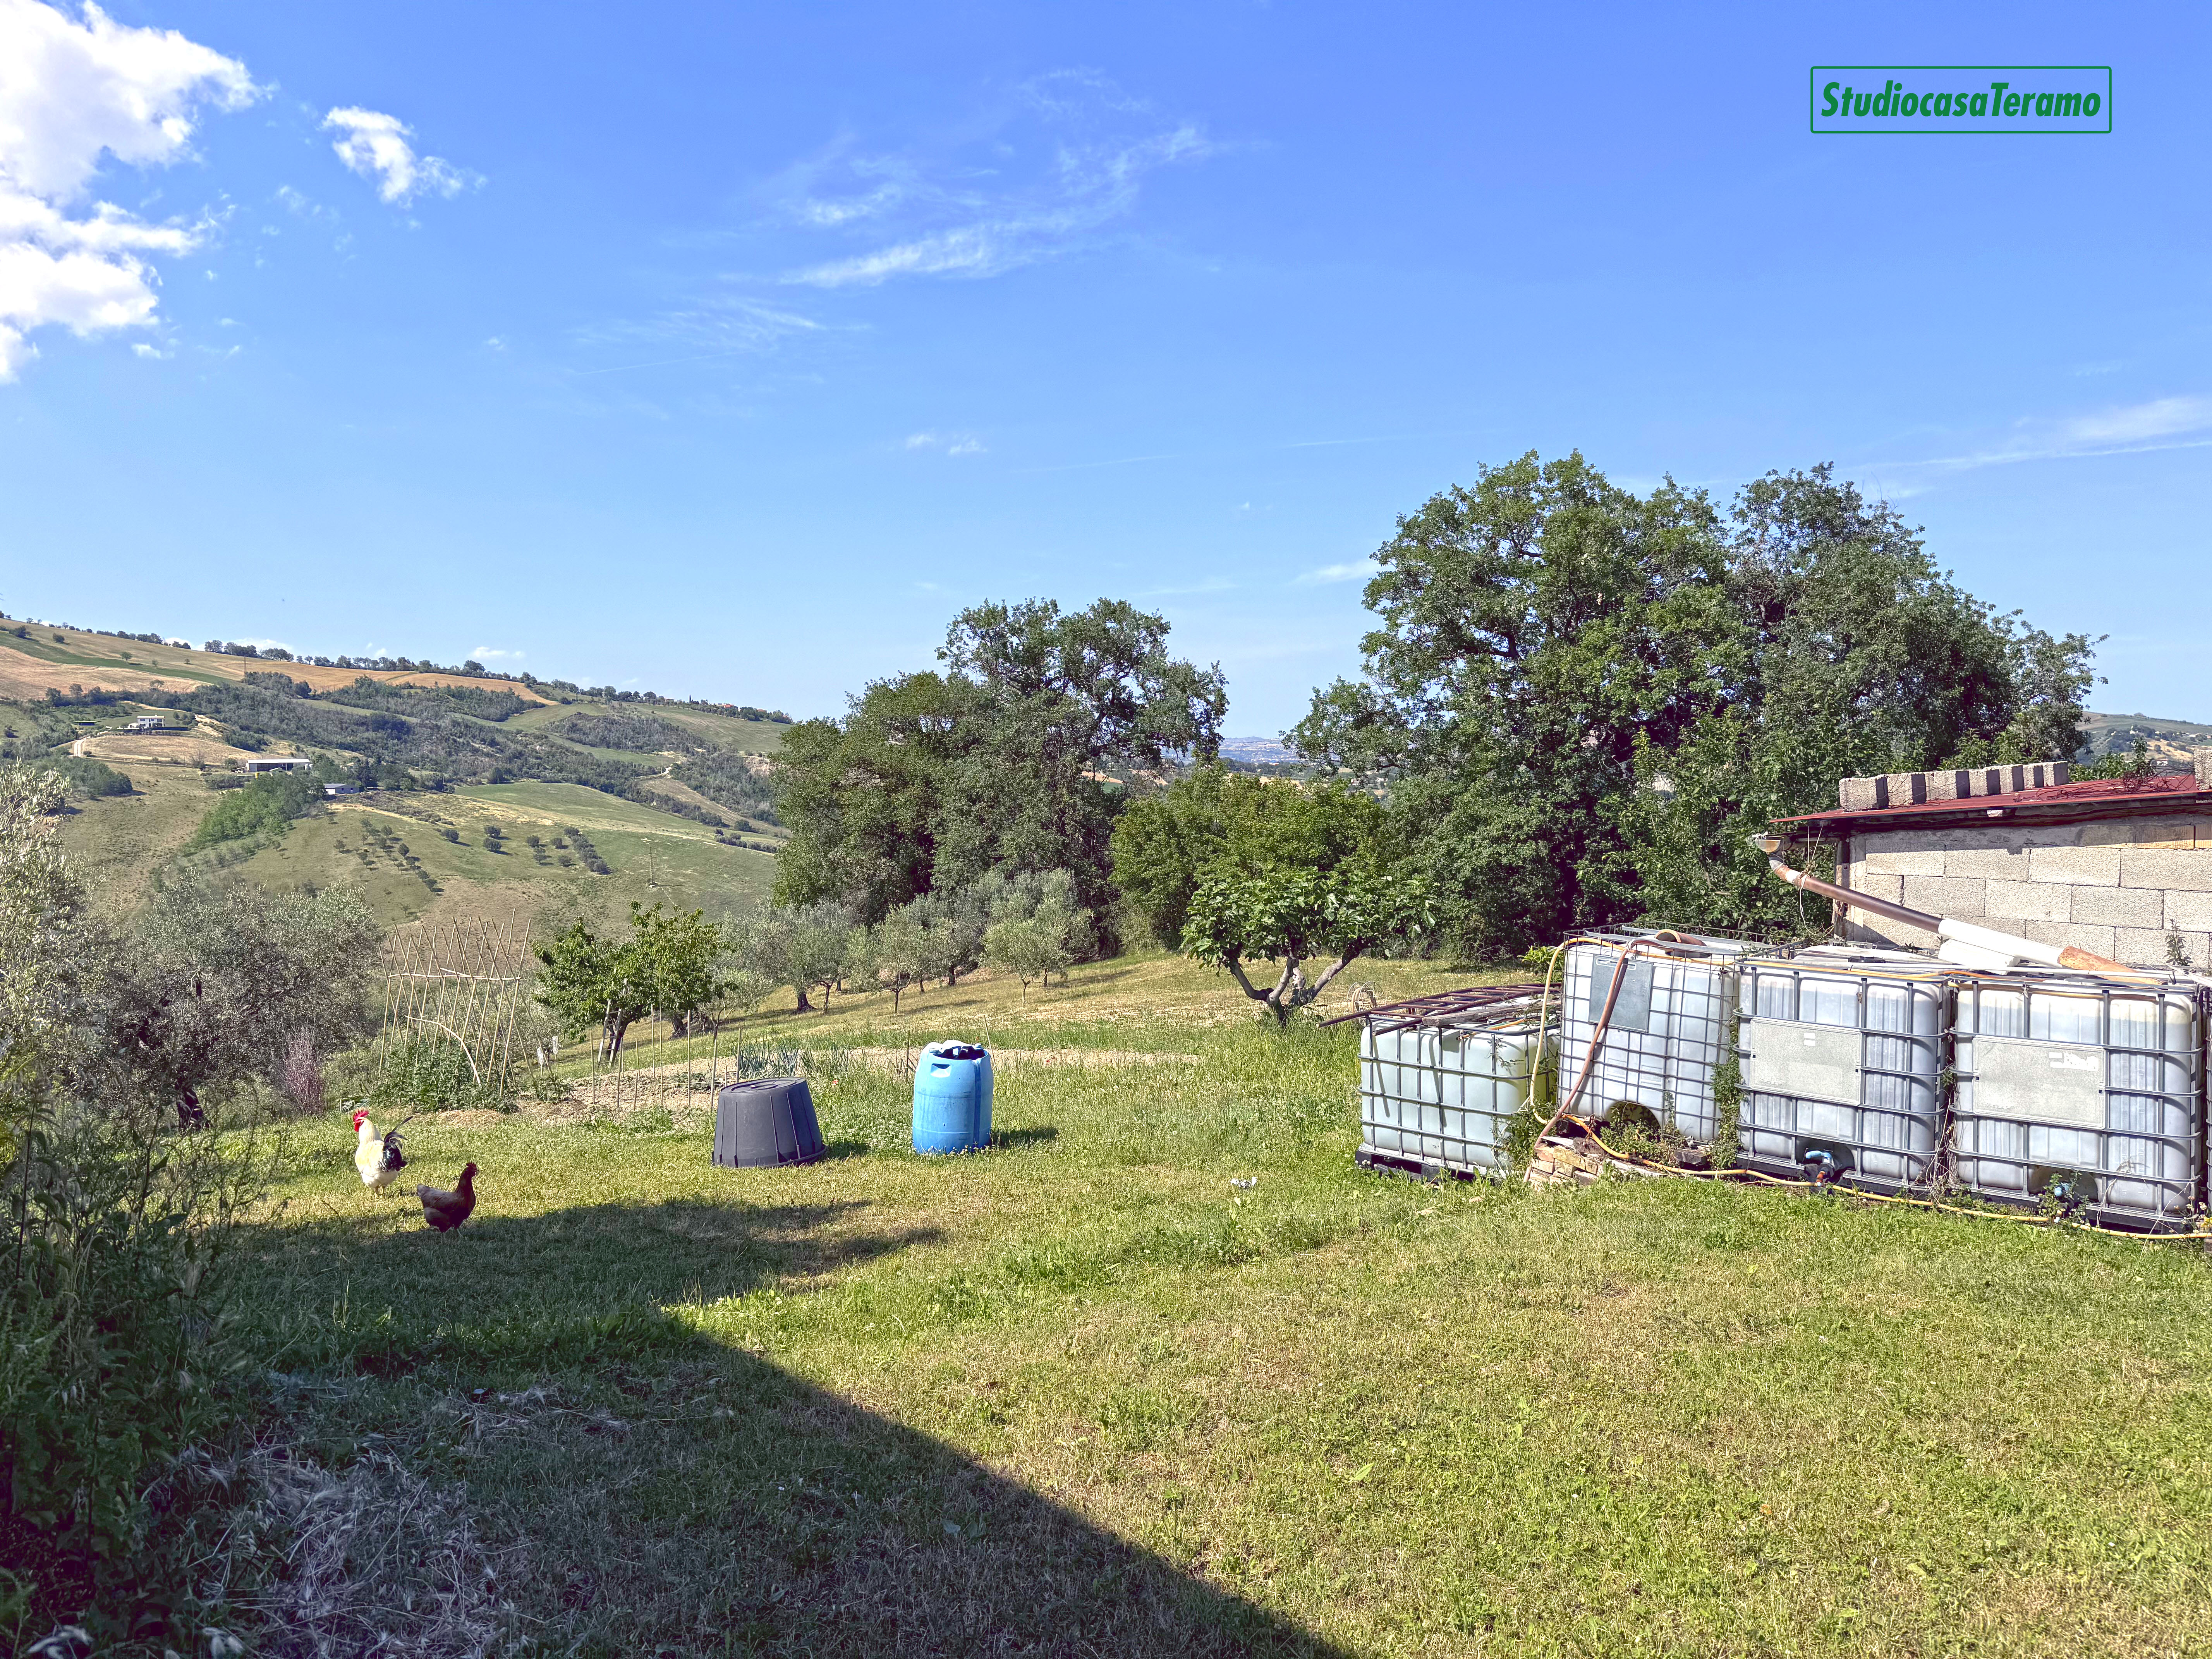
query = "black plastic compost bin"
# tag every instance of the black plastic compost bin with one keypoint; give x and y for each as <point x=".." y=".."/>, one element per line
<point x="764" y="1123"/>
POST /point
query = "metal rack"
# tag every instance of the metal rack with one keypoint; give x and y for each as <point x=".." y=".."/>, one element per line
<point x="2084" y="1091"/>
<point x="1843" y="1055"/>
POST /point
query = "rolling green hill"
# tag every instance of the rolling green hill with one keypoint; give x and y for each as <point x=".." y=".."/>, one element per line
<point x="671" y="798"/>
<point x="2170" y="741"/>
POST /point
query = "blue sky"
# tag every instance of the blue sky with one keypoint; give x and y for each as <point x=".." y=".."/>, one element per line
<point x="728" y="351"/>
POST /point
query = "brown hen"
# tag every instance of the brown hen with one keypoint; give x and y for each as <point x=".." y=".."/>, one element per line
<point x="446" y="1211"/>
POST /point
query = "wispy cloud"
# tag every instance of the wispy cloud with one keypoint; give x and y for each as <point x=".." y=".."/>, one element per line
<point x="950" y="443"/>
<point x="2177" y="423"/>
<point x="493" y="653"/>
<point x="375" y="145"/>
<point x="1359" y="570"/>
<point x="300" y="205"/>
<point x="1068" y="155"/>
<point x="724" y="325"/>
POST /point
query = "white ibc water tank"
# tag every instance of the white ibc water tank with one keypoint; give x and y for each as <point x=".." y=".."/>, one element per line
<point x="1437" y="1094"/>
<point x="1668" y="1032"/>
<point x="1842" y="1057"/>
<point x="2082" y="1090"/>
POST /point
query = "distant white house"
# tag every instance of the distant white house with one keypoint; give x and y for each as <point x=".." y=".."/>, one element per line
<point x="147" y="723"/>
<point x="281" y="763"/>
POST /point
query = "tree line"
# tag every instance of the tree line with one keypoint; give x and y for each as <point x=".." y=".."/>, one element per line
<point x="1576" y="701"/>
<point x="678" y="966"/>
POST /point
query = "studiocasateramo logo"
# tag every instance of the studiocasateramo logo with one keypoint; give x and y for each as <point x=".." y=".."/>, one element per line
<point x="1962" y="98"/>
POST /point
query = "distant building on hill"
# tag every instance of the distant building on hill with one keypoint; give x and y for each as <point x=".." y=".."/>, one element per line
<point x="148" y="723"/>
<point x="279" y="763"/>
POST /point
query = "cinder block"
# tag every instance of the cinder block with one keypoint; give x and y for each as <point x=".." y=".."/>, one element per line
<point x="2184" y="911"/>
<point x="1929" y="863"/>
<point x="1949" y="786"/>
<point x="2031" y="901"/>
<point x="1884" y="887"/>
<point x="1945" y="895"/>
<point x="1906" y="788"/>
<point x="1862" y="929"/>
<point x="2088" y="867"/>
<point x="2176" y="835"/>
<point x="1899" y="840"/>
<point x="2116" y="907"/>
<point x="1993" y="863"/>
<point x="2139" y="947"/>
<point x="2176" y="870"/>
<point x="2099" y="940"/>
<point x="1861" y="794"/>
<point x="2203" y="759"/>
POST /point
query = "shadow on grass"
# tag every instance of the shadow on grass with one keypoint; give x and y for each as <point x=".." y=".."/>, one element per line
<point x="663" y="1489"/>
<point x="1036" y="1136"/>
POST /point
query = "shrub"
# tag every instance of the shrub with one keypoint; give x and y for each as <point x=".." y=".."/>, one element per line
<point x="112" y="1359"/>
<point x="263" y="807"/>
<point x="87" y="777"/>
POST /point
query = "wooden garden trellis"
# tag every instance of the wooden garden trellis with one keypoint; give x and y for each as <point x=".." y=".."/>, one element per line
<point x="463" y="980"/>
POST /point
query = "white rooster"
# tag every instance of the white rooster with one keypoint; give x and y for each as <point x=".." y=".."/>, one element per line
<point x="377" y="1156"/>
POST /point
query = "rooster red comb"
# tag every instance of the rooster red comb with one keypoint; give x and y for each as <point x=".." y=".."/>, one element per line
<point x="359" y="1113"/>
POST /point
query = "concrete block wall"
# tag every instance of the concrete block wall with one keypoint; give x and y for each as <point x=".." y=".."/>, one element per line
<point x="2115" y="886"/>
<point x="1965" y="783"/>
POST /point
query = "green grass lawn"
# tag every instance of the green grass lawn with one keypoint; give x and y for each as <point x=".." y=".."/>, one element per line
<point x="1082" y="1395"/>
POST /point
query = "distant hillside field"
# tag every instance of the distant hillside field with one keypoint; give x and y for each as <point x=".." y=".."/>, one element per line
<point x="627" y="796"/>
<point x="2170" y="741"/>
<point x="30" y="666"/>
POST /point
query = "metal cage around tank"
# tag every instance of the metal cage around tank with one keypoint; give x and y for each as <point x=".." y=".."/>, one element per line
<point x="1668" y="1033"/>
<point x="2082" y="1091"/>
<point x="1442" y="1077"/>
<point x="1843" y="1053"/>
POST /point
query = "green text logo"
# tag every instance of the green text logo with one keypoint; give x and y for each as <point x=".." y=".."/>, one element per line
<point x="1962" y="98"/>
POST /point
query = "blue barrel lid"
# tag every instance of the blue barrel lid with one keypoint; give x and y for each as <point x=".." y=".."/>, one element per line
<point x="955" y="1051"/>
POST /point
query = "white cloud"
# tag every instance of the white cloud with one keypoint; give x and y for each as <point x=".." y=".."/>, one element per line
<point x="74" y="90"/>
<point x="952" y="443"/>
<point x="493" y="653"/>
<point x="1358" y="571"/>
<point x="374" y="145"/>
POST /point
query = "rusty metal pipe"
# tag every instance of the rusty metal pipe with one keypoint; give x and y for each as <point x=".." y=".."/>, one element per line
<point x="1984" y="940"/>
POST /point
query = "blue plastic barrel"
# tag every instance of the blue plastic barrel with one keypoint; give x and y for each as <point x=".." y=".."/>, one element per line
<point x="953" y="1098"/>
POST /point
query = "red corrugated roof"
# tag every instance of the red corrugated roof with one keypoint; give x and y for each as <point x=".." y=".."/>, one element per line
<point x="2178" y="790"/>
